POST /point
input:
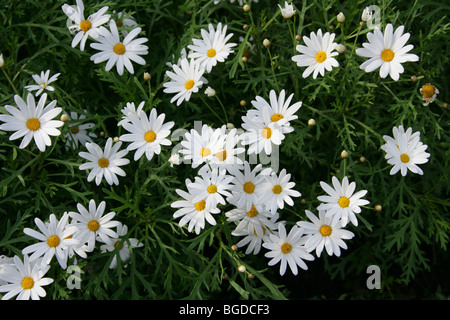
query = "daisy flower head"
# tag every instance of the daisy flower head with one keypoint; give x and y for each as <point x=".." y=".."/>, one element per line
<point x="43" y="82"/>
<point x="79" y="134"/>
<point x="55" y="238"/>
<point x="429" y="93"/>
<point x="322" y="233"/>
<point x="92" y="224"/>
<point x="255" y="221"/>
<point x="288" y="11"/>
<point x="124" y="246"/>
<point x="104" y="163"/>
<point x="147" y="134"/>
<point x="287" y="249"/>
<point x="342" y="203"/>
<point x="25" y="279"/>
<point x="387" y="51"/>
<point x="32" y="121"/>
<point x="130" y="109"/>
<point x="318" y="54"/>
<point x="405" y="151"/>
<point x="212" y="48"/>
<point x="231" y="154"/>
<point x="184" y="80"/>
<point x="277" y="189"/>
<point x="125" y="22"/>
<point x="84" y="28"/>
<point x="117" y="52"/>
<point x="193" y="213"/>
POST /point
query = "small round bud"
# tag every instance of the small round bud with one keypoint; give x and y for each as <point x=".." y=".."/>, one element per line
<point x="243" y="103"/>
<point x="147" y="76"/>
<point x="331" y="27"/>
<point x="298" y="37"/>
<point x="311" y="122"/>
<point x="234" y="247"/>
<point x="246" y="8"/>
<point x="242" y="268"/>
<point x="344" y="154"/>
<point x="251" y="276"/>
<point x="341" y="48"/>
<point x="378" y="208"/>
<point x="303" y="201"/>
<point x="362" y="159"/>
<point x="230" y="126"/>
<point x="64" y="117"/>
<point x="413" y="78"/>
<point x="102" y="133"/>
<point x="116" y="139"/>
<point x="245" y="26"/>
<point x="340" y="17"/>
<point x="244" y="59"/>
<point x="210" y="92"/>
<point x="266" y="43"/>
<point x="445" y="105"/>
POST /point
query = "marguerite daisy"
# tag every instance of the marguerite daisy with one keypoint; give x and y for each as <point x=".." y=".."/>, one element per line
<point x="184" y="80"/>
<point x="387" y="51"/>
<point x="342" y="203"/>
<point x="289" y="249"/>
<point x="231" y="153"/>
<point x="78" y="132"/>
<point x="55" y="237"/>
<point x="317" y="55"/>
<point x="429" y="93"/>
<point x="257" y="220"/>
<point x="288" y="11"/>
<point x="104" y="163"/>
<point x="212" y="48"/>
<point x="130" y="108"/>
<point x="43" y="82"/>
<point x="147" y="134"/>
<point x="31" y="121"/>
<point x="117" y="52"/>
<point x="323" y="233"/>
<point x="25" y="279"/>
<point x="93" y="225"/>
<point x="84" y="27"/>
<point x="405" y="151"/>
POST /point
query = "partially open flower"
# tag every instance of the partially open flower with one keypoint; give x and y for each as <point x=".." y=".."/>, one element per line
<point x="429" y="93"/>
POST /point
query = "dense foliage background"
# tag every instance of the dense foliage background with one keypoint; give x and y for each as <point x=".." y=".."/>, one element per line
<point x="408" y="239"/>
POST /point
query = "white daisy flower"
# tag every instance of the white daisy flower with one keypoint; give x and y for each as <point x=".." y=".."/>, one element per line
<point x="43" y="82"/>
<point x="254" y="240"/>
<point x="129" y="109"/>
<point x="124" y="243"/>
<point x="55" y="237"/>
<point x="323" y="233"/>
<point x="93" y="225"/>
<point x="342" y="203"/>
<point x="246" y="186"/>
<point x="317" y="55"/>
<point x="84" y="27"/>
<point x="280" y="110"/>
<point x="211" y="185"/>
<point x="104" y="163"/>
<point x="79" y="134"/>
<point x="4" y="260"/>
<point x="261" y="135"/>
<point x="387" y="51"/>
<point x="125" y="22"/>
<point x="201" y="147"/>
<point x="31" y="121"/>
<point x="117" y="52"/>
<point x="405" y="151"/>
<point x="212" y="48"/>
<point x="194" y="213"/>
<point x="288" y="11"/>
<point x="25" y="279"/>
<point x="276" y="190"/>
<point x="185" y="80"/>
<point x="255" y="221"/>
<point x="231" y="153"/>
<point x="289" y="249"/>
<point x="147" y="134"/>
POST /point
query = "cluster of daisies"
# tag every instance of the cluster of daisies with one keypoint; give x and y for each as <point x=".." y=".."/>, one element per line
<point x="72" y="236"/>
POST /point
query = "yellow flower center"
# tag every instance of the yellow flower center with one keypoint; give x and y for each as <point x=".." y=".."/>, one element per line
<point x="93" y="225"/>
<point x="344" y="202"/>
<point x="277" y="189"/>
<point x="221" y="155"/>
<point x="205" y="152"/>
<point x="276" y="117"/>
<point x="387" y="55"/>
<point x="33" y="124"/>
<point x="150" y="136"/>
<point x="119" y="48"/>
<point x="325" y="230"/>
<point x="27" y="283"/>
<point x="103" y="162"/>
<point x="286" y="248"/>
<point x="266" y="133"/>
<point x="249" y="187"/>
<point x="321" y="57"/>
<point x="211" y="53"/>
<point x="212" y="188"/>
<point x="85" y="25"/>
<point x="119" y="24"/>
<point x="428" y="90"/>
<point x="75" y="130"/>
<point x="253" y="212"/>
<point x="200" y="206"/>
<point x="117" y="243"/>
<point x="404" y="158"/>
<point x="189" y="84"/>
<point x="53" y="241"/>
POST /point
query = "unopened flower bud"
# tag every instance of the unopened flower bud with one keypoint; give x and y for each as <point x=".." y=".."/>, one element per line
<point x="210" y="92"/>
<point x="341" y="48"/>
<point x="116" y="139"/>
<point x="266" y="43"/>
<point x="234" y="247"/>
<point x="244" y="59"/>
<point x="230" y="126"/>
<point x="378" y="208"/>
<point x="64" y="117"/>
<point x="344" y="154"/>
<point x="2" y="62"/>
<point x="311" y="122"/>
<point x="362" y="159"/>
<point x="243" y="103"/>
<point x="414" y="78"/>
<point x="147" y="76"/>
<point x="298" y="37"/>
<point x="242" y="268"/>
<point x="340" y="17"/>
<point x="246" y="8"/>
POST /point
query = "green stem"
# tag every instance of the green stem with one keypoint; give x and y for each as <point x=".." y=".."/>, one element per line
<point x="223" y="108"/>
<point x="10" y="82"/>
